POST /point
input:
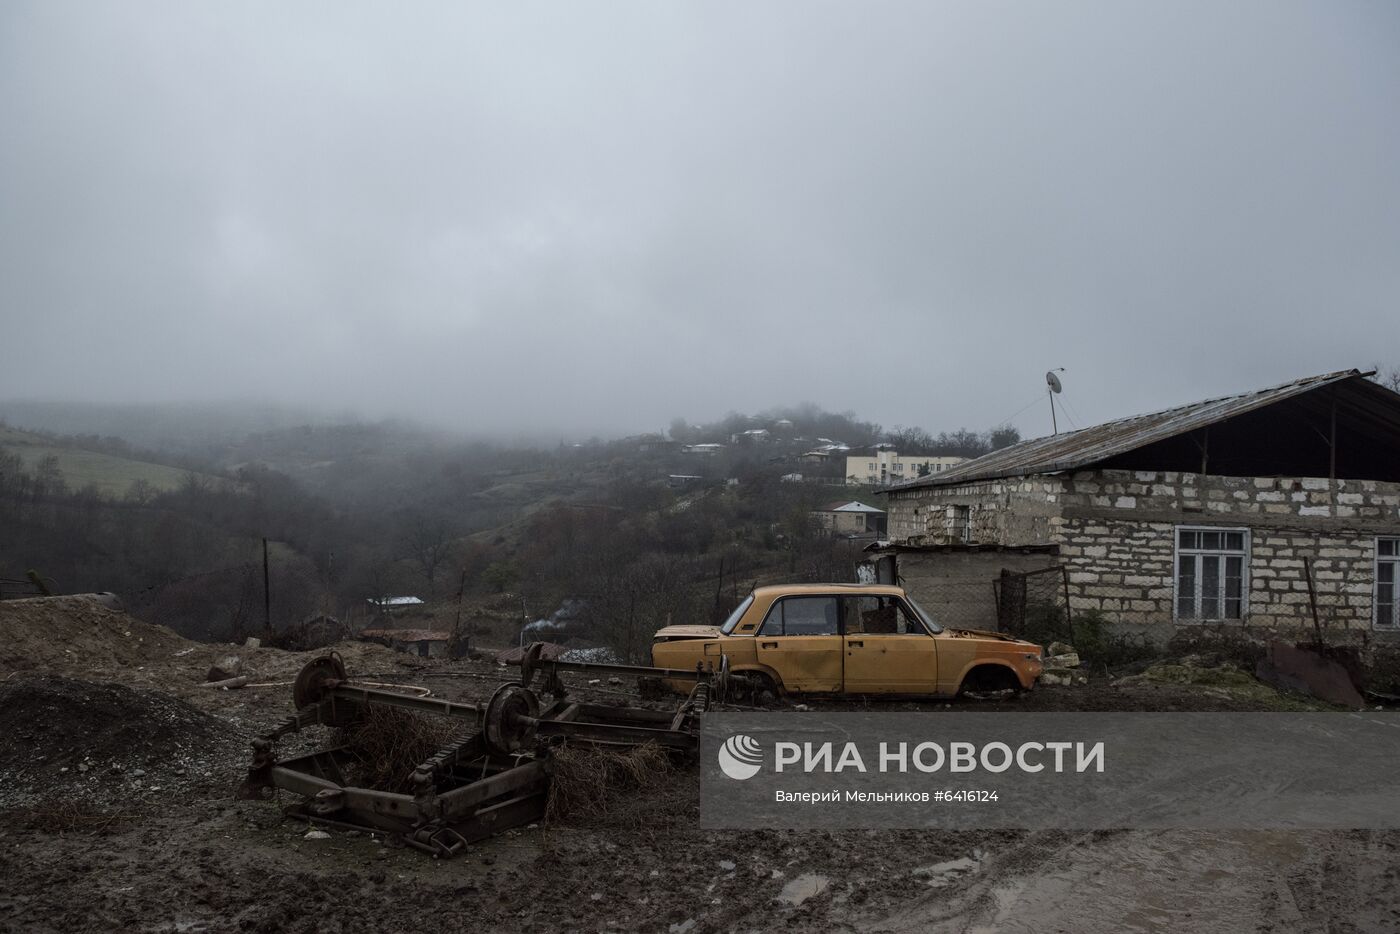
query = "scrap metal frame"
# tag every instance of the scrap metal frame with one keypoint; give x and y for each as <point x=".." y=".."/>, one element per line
<point x="493" y="776"/>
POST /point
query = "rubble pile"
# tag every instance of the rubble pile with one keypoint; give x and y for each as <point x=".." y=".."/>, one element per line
<point x="78" y="637"/>
<point x="75" y="634"/>
<point x="95" y="743"/>
<point x="1062" y="666"/>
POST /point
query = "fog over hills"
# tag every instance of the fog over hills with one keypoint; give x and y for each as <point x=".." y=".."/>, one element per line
<point x="538" y="220"/>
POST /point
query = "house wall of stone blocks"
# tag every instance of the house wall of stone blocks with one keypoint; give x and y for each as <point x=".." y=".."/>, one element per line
<point x="1116" y="532"/>
<point x="1001" y="512"/>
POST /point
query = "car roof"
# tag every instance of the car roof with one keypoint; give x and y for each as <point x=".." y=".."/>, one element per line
<point x="779" y="590"/>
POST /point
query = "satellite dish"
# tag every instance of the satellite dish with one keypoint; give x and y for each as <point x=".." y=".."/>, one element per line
<point x="1053" y="382"/>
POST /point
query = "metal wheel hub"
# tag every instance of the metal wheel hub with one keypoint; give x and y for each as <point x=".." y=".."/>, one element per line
<point x="316" y="678"/>
<point x="512" y="716"/>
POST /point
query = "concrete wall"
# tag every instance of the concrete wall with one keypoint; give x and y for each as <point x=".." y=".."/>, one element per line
<point x="956" y="586"/>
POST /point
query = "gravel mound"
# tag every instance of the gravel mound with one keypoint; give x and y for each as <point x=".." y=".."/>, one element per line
<point x="97" y="743"/>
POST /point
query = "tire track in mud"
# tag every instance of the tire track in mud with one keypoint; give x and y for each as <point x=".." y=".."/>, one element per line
<point x="1140" y="881"/>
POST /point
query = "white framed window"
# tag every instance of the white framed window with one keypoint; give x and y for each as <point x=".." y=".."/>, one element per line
<point x="1211" y="581"/>
<point x="1387" y="602"/>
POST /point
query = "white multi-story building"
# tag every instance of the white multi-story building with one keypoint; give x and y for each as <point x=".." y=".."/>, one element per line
<point x="886" y="466"/>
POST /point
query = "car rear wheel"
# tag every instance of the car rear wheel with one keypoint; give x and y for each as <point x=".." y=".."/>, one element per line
<point x="984" y="680"/>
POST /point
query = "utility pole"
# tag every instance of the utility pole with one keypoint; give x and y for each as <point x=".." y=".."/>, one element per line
<point x="267" y="595"/>
<point x="457" y="626"/>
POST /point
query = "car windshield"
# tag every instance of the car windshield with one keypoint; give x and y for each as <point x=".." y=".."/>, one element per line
<point x="737" y="615"/>
<point x="923" y="615"/>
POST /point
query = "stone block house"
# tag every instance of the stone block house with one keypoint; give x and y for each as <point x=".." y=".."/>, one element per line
<point x="1275" y="508"/>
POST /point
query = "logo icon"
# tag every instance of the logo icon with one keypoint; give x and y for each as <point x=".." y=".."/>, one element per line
<point x="740" y="757"/>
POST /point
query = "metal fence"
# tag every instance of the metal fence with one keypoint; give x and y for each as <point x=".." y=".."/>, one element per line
<point x="1125" y="617"/>
<point x="1034" y="605"/>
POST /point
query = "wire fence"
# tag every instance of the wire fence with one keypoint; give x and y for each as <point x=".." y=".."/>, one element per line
<point x="1032" y="606"/>
<point x="1129" y="616"/>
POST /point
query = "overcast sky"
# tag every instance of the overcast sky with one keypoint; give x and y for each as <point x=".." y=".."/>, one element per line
<point x="595" y="216"/>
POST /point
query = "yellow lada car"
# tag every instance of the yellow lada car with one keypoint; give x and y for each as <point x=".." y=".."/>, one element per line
<point x="846" y="639"/>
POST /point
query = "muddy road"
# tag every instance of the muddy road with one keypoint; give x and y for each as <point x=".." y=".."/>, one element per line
<point x="106" y="849"/>
<point x="214" y="865"/>
<point x="117" y="812"/>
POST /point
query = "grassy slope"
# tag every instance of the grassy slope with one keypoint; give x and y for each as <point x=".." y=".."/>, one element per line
<point x="111" y="474"/>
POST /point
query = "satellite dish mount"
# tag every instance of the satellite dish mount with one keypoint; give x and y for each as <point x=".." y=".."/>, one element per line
<point x="1054" y="388"/>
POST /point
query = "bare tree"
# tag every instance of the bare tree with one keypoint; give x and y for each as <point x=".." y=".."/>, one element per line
<point x="1389" y="377"/>
<point x="1002" y="436"/>
<point x="140" y="492"/>
<point x="427" y="541"/>
<point x="910" y="440"/>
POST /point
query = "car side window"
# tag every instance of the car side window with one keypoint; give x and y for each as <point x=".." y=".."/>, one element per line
<point x="880" y="616"/>
<point x="802" y="616"/>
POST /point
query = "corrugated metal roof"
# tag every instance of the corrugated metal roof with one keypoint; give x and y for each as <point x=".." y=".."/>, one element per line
<point x="1075" y="449"/>
<point x="855" y="506"/>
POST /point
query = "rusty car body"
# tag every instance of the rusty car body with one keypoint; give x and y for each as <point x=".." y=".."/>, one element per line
<point x="846" y="639"/>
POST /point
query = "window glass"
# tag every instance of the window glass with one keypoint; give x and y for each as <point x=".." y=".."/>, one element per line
<point x="1210" y="586"/>
<point x="1234" y="586"/>
<point x="1388" y="583"/>
<point x="924" y="617"/>
<point x="802" y="616"/>
<point x="879" y="615"/>
<point x="1186" y="586"/>
<point x="1211" y="581"/>
<point x="737" y="615"/>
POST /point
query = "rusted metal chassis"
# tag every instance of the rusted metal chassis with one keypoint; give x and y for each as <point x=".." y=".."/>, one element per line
<point x="508" y="729"/>
<point x="481" y="794"/>
<point x="711" y="683"/>
<point x="474" y="787"/>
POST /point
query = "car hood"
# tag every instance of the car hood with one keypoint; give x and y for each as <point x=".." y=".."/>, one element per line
<point x="688" y="632"/>
<point x="981" y="634"/>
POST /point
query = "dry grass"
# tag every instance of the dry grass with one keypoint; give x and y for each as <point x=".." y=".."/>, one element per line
<point x="57" y="815"/>
<point x="389" y="744"/>
<point x="589" y="781"/>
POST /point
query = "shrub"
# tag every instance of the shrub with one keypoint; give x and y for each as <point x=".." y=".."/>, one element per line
<point x="1098" y="647"/>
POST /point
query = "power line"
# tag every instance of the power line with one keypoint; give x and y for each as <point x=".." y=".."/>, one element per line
<point x="1073" y="414"/>
<point x="1007" y="420"/>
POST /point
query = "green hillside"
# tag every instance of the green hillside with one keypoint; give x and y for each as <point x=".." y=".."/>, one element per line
<point x="111" y="474"/>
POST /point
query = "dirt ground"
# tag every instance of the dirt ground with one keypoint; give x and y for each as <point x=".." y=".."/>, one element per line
<point x="117" y="811"/>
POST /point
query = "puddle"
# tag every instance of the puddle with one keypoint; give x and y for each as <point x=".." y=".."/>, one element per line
<point x="802" y="888"/>
<point x="1004" y="898"/>
<point x="946" y="873"/>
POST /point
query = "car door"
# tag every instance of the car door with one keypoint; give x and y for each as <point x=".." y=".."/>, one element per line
<point x="800" y="639"/>
<point x="888" y="650"/>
